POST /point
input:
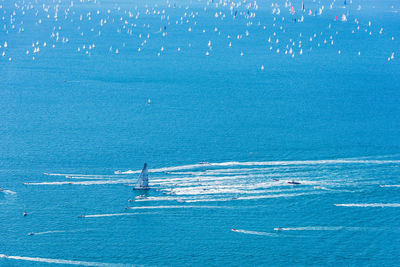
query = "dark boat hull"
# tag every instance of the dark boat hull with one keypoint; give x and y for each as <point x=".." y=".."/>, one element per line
<point x="141" y="188"/>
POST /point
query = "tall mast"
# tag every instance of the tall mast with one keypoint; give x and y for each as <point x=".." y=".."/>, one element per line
<point x="143" y="180"/>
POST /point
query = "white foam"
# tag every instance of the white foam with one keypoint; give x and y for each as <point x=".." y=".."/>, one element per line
<point x="216" y="190"/>
<point x="253" y="232"/>
<point x="208" y="200"/>
<point x="159" y="199"/>
<point x="177" y="207"/>
<point x="115" y="214"/>
<point x="70" y="174"/>
<point x="249" y="197"/>
<point x="390" y="185"/>
<point x="365" y="205"/>
<point x="196" y="179"/>
<point x="89" y="177"/>
<point x="9" y="192"/>
<point x="321" y="187"/>
<point x="183" y="181"/>
<point x="96" y="182"/>
<point x="318" y="228"/>
<point x="50" y="232"/>
<point x="61" y="231"/>
<point x="222" y="171"/>
<point x="278" y="195"/>
<point x="60" y="261"/>
<point x="57" y="174"/>
<point x="265" y="163"/>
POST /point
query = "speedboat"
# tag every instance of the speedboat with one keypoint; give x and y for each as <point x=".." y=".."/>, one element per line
<point x="31" y="233"/>
<point x="278" y="229"/>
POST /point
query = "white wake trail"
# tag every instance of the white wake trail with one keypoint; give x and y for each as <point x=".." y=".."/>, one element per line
<point x="279" y="195"/>
<point x="115" y="214"/>
<point x="60" y="261"/>
<point x="9" y="192"/>
<point x="95" y="182"/>
<point x="366" y="205"/>
<point x="50" y="232"/>
<point x="319" y="228"/>
<point x="60" y="231"/>
<point x="71" y="174"/>
<point x="177" y="207"/>
<point x="249" y="197"/>
<point x="265" y="163"/>
<point x="254" y="232"/>
<point x="89" y="177"/>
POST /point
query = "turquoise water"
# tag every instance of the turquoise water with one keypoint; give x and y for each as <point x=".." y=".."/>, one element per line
<point x="71" y="119"/>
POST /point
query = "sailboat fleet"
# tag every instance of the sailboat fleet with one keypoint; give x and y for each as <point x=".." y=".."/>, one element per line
<point x="136" y="34"/>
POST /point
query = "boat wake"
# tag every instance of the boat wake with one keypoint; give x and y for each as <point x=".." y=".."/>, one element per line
<point x="230" y="181"/>
<point x="319" y="228"/>
<point x="264" y="163"/>
<point x="366" y="205"/>
<point x="254" y="232"/>
<point x="9" y="192"/>
<point x="177" y="207"/>
<point x="59" y="261"/>
<point x="70" y="174"/>
<point x="96" y="182"/>
<point x="60" y="231"/>
<point x="115" y="214"/>
<point x="48" y="232"/>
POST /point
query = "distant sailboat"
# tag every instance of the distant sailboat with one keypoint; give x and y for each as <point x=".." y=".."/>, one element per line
<point x="143" y="180"/>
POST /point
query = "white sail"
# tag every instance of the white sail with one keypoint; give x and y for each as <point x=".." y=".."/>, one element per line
<point x="143" y="180"/>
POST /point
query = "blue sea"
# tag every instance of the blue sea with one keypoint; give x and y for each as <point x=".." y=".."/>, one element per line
<point x="228" y="102"/>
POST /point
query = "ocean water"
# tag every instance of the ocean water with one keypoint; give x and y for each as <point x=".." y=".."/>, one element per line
<point x="76" y="128"/>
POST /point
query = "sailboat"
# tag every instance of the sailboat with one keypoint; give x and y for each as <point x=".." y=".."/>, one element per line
<point x="143" y="180"/>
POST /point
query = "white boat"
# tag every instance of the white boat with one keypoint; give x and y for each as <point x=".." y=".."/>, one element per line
<point x="143" y="180"/>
